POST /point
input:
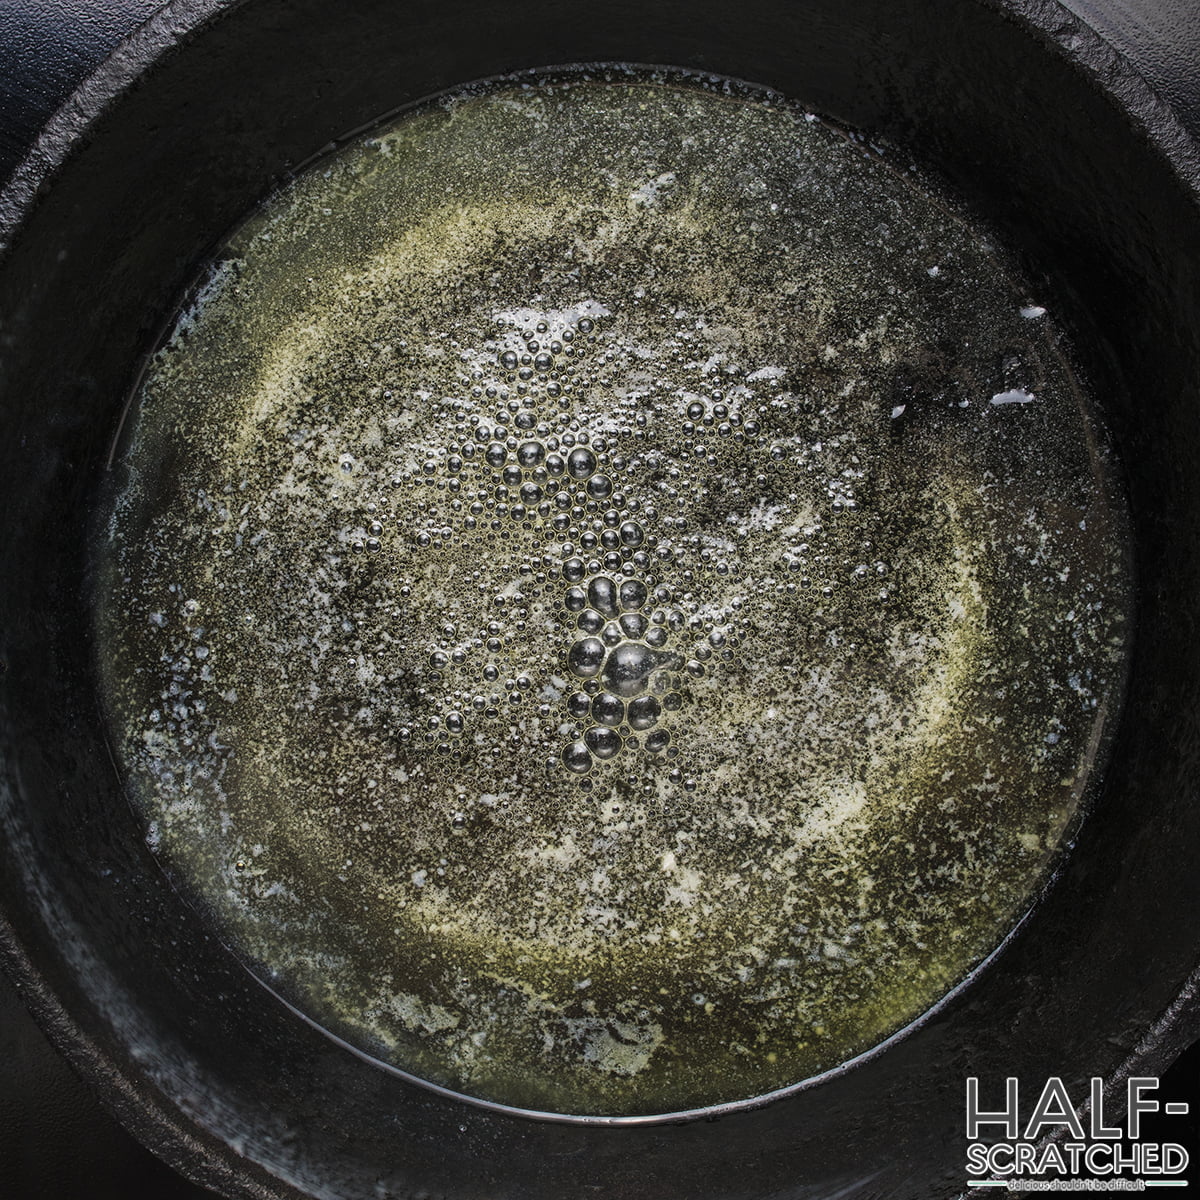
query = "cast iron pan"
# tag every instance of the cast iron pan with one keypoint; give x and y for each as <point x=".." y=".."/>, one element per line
<point x="1036" y="124"/>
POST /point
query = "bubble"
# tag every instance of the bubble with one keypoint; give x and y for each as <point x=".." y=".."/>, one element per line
<point x="454" y="722"/>
<point x="602" y="742"/>
<point x="634" y="625"/>
<point x="644" y="712"/>
<point x="608" y="709"/>
<point x="695" y="410"/>
<point x="575" y="600"/>
<point x="632" y="534"/>
<point x="511" y="475"/>
<point x="628" y="668"/>
<point x="573" y="570"/>
<point x="602" y="592"/>
<point x="555" y="464"/>
<point x="586" y="658"/>
<point x="612" y="635"/>
<point x="633" y="595"/>
<point x="508" y="360"/>
<point x="579" y="705"/>
<point x="599" y="487"/>
<point x="577" y="758"/>
<point x="585" y="325"/>
<point x="590" y="621"/>
<point x="531" y="493"/>
<point x="530" y="454"/>
<point x="581" y="463"/>
<point x="610" y="539"/>
<point x="657" y="742"/>
<point x="496" y="455"/>
<point x="656" y="637"/>
<point x="543" y="362"/>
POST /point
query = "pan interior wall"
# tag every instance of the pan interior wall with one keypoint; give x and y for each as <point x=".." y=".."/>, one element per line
<point x="613" y="594"/>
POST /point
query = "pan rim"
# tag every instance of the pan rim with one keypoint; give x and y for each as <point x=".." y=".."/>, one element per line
<point x="148" y="1114"/>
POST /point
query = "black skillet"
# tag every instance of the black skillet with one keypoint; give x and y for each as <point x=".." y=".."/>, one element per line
<point x="1036" y="124"/>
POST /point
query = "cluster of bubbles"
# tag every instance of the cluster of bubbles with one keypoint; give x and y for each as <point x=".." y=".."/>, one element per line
<point x="559" y="480"/>
<point x="628" y="675"/>
<point x="525" y="460"/>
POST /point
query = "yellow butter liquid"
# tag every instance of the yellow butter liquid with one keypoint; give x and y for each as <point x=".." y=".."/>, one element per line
<point x="612" y="596"/>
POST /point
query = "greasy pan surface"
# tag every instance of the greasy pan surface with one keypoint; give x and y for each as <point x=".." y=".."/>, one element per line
<point x="1041" y="132"/>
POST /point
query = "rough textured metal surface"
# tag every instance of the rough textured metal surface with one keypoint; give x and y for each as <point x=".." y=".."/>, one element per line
<point x="1161" y="38"/>
<point x="47" y="47"/>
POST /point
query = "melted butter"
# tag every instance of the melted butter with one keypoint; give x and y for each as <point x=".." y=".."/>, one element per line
<point x="612" y="596"/>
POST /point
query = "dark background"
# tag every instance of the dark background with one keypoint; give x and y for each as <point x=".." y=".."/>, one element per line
<point x="56" y="1143"/>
